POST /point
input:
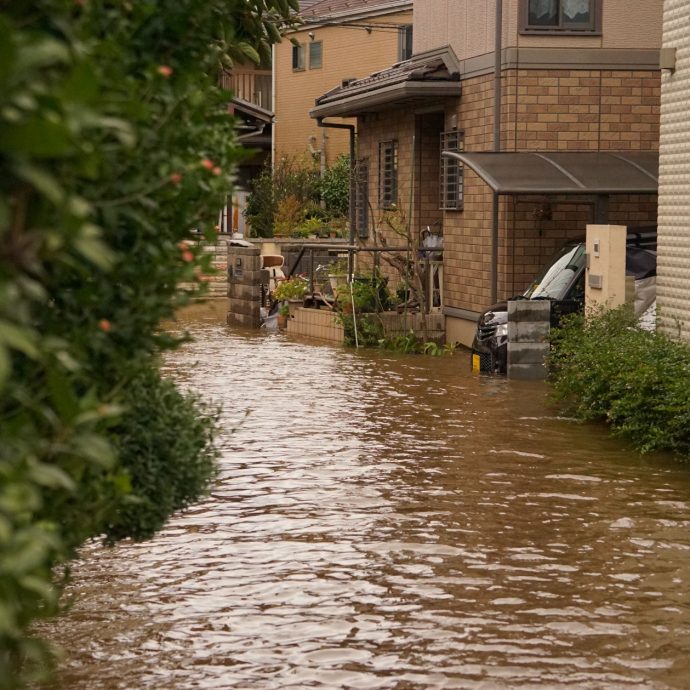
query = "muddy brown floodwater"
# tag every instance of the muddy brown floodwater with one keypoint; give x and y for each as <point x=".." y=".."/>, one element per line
<point x="385" y="521"/>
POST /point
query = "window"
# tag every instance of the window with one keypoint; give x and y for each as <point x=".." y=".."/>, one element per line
<point x="297" y="57"/>
<point x="451" y="171"/>
<point x="315" y="51"/>
<point x="405" y="42"/>
<point x="388" y="173"/>
<point x="361" y="197"/>
<point x="561" y="16"/>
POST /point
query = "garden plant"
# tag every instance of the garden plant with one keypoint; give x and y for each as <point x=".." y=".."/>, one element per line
<point x="604" y="367"/>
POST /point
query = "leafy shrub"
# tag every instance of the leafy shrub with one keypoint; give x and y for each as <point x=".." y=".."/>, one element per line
<point x="286" y="196"/>
<point x="603" y="367"/>
<point x="279" y="195"/>
<point x="288" y="215"/>
<point x="292" y="288"/>
<point x="411" y="344"/>
<point x="115" y="140"/>
<point x="164" y="441"/>
<point x="335" y="187"/>
<point x="367" y="296"/>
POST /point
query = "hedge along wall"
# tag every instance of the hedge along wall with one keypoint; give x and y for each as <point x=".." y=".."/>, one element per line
<point x="114" y="142"/>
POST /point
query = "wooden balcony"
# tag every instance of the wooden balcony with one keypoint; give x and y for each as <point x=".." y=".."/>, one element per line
<point x="251" y="85"/>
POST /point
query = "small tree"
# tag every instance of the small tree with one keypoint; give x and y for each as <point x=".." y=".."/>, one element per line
<point x="335" y="188"/>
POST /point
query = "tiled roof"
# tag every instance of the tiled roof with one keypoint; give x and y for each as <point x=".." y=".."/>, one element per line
<point x="327" y="8"/>
<point x="435" y="65"/>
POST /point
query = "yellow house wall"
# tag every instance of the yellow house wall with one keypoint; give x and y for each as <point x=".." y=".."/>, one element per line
<point x="346" y="53"/>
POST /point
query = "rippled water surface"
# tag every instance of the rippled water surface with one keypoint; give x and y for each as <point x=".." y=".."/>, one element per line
<point x="383" y="521"/>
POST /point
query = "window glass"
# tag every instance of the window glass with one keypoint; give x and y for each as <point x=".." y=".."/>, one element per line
<point x="558" y="275"/>
<point x="298" y="57"/>
<point x="561" y="15"/>
<point x="405" y="42"/>
<point x="388" y="173"/>
<point x="543" y="13"/>
<point x="576" y="12"/>
<point x="451" y="186"/>
<point x="315" y="55"/>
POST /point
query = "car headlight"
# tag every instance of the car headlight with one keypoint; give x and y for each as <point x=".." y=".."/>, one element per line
<point x="502" y="330"/>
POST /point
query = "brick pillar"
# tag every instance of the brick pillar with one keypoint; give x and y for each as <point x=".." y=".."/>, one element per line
<point x="244" y="286"/>
<point x="528" y="332"/>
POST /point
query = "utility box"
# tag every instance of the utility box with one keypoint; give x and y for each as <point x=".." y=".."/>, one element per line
<point x="605" y="284"/>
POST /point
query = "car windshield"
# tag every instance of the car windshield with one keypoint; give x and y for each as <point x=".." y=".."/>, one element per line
<point x="558" y="275"/>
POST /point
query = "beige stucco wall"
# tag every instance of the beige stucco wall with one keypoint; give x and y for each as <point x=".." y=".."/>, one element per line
<point x="347" y="53"/>
<point x="674" y="179"/>
<point x="468" y="26"/>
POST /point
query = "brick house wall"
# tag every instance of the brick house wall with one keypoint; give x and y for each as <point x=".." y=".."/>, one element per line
<point x="555" y="110"/>
<point x="567" y="92"/>
<point x="564" y="110"/>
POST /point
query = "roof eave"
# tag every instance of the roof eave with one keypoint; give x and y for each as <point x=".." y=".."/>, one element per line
<point x="387" y="96"/>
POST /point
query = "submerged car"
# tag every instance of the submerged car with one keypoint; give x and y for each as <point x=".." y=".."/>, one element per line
<point x="562" y="281"/>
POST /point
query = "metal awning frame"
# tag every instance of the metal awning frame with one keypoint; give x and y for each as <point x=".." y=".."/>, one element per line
<point x="564" y="180"/>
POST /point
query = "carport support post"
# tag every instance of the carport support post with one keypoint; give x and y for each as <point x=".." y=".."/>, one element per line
<point x="494" y="250"/>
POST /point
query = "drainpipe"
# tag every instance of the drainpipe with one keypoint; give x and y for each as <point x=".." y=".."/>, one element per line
<point x="273" y="105"/>
<point x="351" y="128"/>
<point x="498" y="49"/>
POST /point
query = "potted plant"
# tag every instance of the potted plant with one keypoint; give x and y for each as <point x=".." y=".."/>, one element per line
<point x="283" y="314"/>
<point x="292" y="291"/>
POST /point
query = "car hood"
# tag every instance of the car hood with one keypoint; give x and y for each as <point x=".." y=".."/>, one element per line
<point x="495" y="315"/>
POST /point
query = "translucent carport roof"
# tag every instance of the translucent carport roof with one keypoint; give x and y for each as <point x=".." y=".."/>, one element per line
<point x="577" y="172"/>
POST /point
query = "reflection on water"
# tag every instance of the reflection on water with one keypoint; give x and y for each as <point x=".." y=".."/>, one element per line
<point x="391" y="522"/>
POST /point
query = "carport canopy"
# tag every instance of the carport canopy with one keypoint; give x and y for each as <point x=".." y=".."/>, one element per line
<point x="575" y="172"/>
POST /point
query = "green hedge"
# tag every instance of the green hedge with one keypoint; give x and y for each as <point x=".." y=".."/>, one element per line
<point x="604" y="367"/>
<point x="115" y="142"/>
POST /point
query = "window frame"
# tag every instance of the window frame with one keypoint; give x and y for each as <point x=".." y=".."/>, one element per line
<point x="313" y="44"/>
<point x="405" y="34"/>
<point x="450" y="167"/>
<point x="388" y="176"/>
<point x="593" y="29"/>
<point x="298" y="51"/>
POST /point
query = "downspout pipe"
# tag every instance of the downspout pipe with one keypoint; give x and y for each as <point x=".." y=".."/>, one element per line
<point x="352" y="129"/>
<point x="498" y="50"/>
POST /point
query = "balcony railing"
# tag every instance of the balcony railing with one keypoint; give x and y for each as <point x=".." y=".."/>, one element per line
<point x="250" y="85"/>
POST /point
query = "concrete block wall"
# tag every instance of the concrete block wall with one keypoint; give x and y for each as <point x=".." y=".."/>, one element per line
<point x="316" y="323"/>
<point x="244" y="278"/>
<point x="528" y="332"/>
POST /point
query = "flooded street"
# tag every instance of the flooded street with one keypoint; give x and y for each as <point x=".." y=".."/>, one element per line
<point x="386" y="521"/>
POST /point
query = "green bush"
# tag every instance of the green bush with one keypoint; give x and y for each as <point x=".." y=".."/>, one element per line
<point x="335" y="188"/>
<point x="283" y="198"/>
<point x="164" y="442"/>
<point x="603" y="367"/>
<point x="115" y="141"/>
<point x="279" y="196"/>
<point x="369" y="295"/>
